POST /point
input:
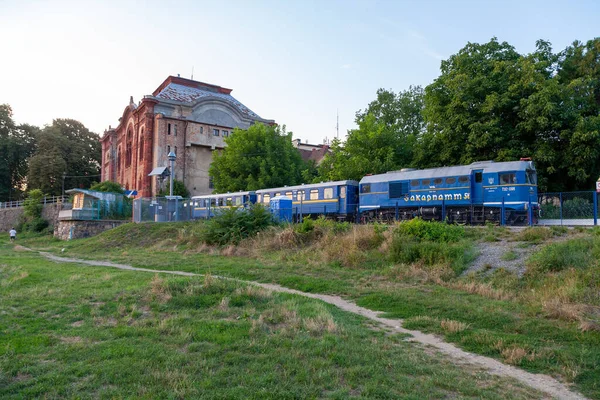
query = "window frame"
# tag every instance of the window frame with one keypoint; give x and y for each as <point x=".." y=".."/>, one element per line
<point x="451" y="180"/>
<point x="327" y="193"/>
<point x="216" y="132"/>
<point x="365" y="188"/>
<point x="512" y="178"/>
<point x="314" y="194"/>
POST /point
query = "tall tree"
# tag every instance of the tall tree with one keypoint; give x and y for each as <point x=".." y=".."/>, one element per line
<point x="17" y="143"/>
<point x="260" y="157"/>
<point x="65" y="147"/>
<point x="388" y="130"/>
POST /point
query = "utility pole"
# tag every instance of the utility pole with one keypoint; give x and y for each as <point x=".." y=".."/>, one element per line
<point x="63" y="185"/>
<point x="171" y="158"/>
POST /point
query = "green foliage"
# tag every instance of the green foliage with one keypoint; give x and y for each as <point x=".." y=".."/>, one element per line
<point x="385" y="139"/>
<point x="233" y="224"/>
<point x="431" y="243"/>
<point x="420" y="229"/>
<point x="576" y="253"/>
<point x="572" y="208"/>
<point x="65" y="147"/>
<point x="33" y="206"/>
<point x="31" y="220"/>
<point x="534" y="234"/>
<point x="17" y="143"/>
<point x="108" y="187"/>
<point x="179" y="189"/>
<point x="261" y="156"/>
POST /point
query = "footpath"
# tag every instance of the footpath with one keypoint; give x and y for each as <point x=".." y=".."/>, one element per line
<point x="543" y="383"/>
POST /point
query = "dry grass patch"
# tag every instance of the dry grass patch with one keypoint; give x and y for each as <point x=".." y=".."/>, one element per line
<point x="451" y="326"/>
<point x="159" y="289"/>
<point x="513" y="355"/>
<point x="254" y="291"/>
<point x="482" y="289"/>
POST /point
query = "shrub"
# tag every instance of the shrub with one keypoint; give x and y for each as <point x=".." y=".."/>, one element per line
<point x="107" y="186"/>
<point x="33" y="206"/>
<point x="34" y="225"/>
<point x="430" y="230"/>
<point x="179" y="189"/>
<point x="232" y="225"/>
<point x="577" y="253"/>
<point x="534" y="234"/>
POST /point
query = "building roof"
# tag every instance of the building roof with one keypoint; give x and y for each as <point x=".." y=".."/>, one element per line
<point x="316" y="154"/>
<point x="189" y="91"/>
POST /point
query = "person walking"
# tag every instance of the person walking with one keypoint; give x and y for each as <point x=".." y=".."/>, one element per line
<point x="13" y="234"/>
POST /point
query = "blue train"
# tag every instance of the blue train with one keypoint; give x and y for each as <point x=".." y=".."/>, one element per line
<point x="473" y="194"/>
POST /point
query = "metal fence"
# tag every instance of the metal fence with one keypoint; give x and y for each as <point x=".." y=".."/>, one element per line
<point x="45" y="200"/>
<point x="94" y="209"/>
<point x="162" y="209"/>
<point x="568" y="208"/>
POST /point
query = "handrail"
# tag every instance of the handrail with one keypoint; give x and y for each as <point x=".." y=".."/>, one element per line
<point x="45" y="200"/>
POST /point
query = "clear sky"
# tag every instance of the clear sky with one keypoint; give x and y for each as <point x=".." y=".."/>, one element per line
<point x="294" y="61"/>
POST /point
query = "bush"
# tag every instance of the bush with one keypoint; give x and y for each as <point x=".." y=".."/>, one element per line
<point x="34" y="225"/>
<point x="534" y="234"/>
<point x="577" y="253"/>
<point x="179" y="189"/>
<point x="233" y="224"/>
<point x="430" y="230"/>
<point x="108" y="186"/>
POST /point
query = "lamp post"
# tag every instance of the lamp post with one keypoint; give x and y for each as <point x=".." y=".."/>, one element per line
<point x="171" y="156"/>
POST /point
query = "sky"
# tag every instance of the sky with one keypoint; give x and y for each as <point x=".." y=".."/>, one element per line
<point x="299" y="62"/>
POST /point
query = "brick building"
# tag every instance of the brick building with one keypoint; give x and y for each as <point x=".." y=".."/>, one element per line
<point x="188" y="117"/>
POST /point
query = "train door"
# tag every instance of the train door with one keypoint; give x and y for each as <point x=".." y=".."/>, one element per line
<point x="477" y="186"/>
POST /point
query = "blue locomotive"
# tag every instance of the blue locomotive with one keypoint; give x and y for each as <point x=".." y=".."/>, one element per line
<point x="473" y="193"/>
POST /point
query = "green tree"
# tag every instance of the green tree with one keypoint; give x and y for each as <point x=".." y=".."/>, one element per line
<point x="260" y="157"/>
<point x="107" y="186"/>
<point x="179" y="189"/>
<point x="65" y="147"/>
<point x="17" y="143"/>
<point x="387" y="133"/>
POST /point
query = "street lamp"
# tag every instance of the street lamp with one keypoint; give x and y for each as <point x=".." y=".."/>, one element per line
<point x="171" y="156"/>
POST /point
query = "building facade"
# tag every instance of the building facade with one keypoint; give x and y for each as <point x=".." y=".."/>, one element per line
<point x="187" y="117"/>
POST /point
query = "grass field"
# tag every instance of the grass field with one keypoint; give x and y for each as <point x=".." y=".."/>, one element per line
<point x="70" y="331"/>
<point x="547" y="321"/>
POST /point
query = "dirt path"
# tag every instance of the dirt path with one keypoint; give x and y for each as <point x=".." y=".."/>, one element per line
<point x="543" y="383"/>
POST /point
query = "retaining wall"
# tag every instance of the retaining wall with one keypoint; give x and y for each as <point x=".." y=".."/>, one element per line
<point x="9" y="217"/>
<point x="66" y="230"/>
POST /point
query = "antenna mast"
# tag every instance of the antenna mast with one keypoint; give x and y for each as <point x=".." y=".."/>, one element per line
<point x="337" y="125"/>
<point x="192" y="72"/>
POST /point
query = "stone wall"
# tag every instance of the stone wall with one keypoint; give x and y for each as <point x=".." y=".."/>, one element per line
<point x="82" y="229"/>
<point x="9" y="217"/>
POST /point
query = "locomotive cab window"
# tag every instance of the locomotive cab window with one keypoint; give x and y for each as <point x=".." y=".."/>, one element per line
<point x="314" y="194"/>
<point x="365" y="188"/>
<point x="414" y="183"/>
<point x="328" y="193"/>
<point x="508" y="179"/>
<point x="437" y="181"/>
<point x="450" y="181"/>
<point x="531" y="176"/>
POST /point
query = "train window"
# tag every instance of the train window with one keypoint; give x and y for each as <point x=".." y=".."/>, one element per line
<point x="414" y="183"/>
<point x="300" y="195"/>
<point x="289" y="194"/>
<point x="259" y="198"/>
<point x="328" y="193"/>
<point x="398" y="189"/>
<point x="238" y="201"/>
<point x="478" y="177"/>
<point x="508" y="179"/>
<point x="437" y="181"/>
<point x="278" y="194"/>
<point x="426" y="182"/>
<point x="314" y="194"/>
<point x="450" y="181"/>
<point x="266" y="198"/>
<point x="463" y="179"/>
<point x="229" y="201"/>
<point x="531" y="176"/>
<point x="213" y="202"/>
<point x="365" y="188"/>
<point x="343" y="192"/>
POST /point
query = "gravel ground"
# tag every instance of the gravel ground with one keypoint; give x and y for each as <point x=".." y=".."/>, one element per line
<point x="491" y="254"/>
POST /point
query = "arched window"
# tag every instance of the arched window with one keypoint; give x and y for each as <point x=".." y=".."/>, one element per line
<point x="128" y="150"/>
<point x="141" y="144"/>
